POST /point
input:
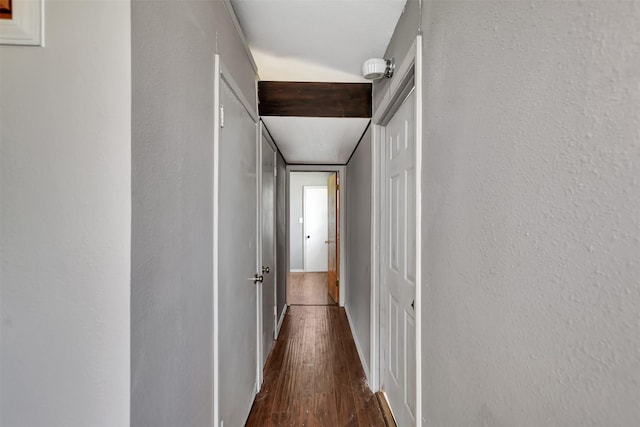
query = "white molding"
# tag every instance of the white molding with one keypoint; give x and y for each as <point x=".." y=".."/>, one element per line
<point x="297" y="270"/>
<point x="26" y="28"/>
<point x="216" y="249"/>
<point x="376" y="131"/>
<point x="259" y="289"/>
<point x="236" y="25"/>
<point x="363" y="361"/>
<point x="418" y="184"/>
<point x="342" y="174"/>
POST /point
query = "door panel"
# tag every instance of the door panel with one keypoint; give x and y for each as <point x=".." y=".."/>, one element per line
<point x="398" y="362"/>
<point x="237" y="259"/>
<point x="315" y="228"/>
<point x="333" y="238"/>
<point x="268" y="290"/>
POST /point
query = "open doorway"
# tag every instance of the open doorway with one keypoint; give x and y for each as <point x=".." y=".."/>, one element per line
<point x="313" y="276"/>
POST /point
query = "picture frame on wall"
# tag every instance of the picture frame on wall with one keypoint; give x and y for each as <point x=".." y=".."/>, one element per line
<point x="22" y="22"/>
<point x="5" y="9"/>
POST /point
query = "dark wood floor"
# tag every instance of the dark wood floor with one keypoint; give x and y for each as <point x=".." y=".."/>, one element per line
<point x="313" y="376"/>
<point x="308" y="289"/>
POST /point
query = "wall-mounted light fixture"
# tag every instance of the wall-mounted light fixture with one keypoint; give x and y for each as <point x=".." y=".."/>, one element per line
<point x="377" y="68"/>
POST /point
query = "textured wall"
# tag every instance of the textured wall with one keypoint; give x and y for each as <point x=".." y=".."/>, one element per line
<point x="531" y="210"/>
<point x="358" y="235"/>
<point x="297" y="180"/>
<point x="173" y="54"/>
<point x="532" y="214"/>
<point x="403" y="36"/>
<point x="65" y="220"/>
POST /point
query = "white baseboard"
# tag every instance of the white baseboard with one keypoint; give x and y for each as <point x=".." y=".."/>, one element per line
<point x="358" y="347"/>
<point x="296" y="270"/>
<point x="280" y="320"/>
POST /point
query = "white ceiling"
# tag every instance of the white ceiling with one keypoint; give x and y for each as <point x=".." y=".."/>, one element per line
<point x="316" y="40"/>
<point x="317" y="140"/>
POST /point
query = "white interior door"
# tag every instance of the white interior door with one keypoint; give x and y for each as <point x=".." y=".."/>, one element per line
<point x="267" y="214"/>
<point x="398" y="269"/>
<point x="315" y="214"/>
<point x="235" y="255"/>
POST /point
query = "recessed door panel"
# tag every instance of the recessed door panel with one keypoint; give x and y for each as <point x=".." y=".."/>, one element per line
<point x="395" y="227"/>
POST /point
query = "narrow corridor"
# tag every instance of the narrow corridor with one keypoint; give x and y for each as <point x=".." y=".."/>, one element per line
<point x="313" y="376"/>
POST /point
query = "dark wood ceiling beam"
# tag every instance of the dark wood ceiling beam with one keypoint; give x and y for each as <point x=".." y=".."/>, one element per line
<point x="314" y="99"/>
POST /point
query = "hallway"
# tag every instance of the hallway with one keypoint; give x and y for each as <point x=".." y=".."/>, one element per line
<point x="489" y="233"/>
<point x="313" y="376"/>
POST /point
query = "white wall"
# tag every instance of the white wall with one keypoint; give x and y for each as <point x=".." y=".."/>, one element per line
<point x="358" y="235"/>
<point x="173" y="54"/>
<point x="531" y="213"/>
<point x="65" y="233"/>
<point x="297" y="180"/>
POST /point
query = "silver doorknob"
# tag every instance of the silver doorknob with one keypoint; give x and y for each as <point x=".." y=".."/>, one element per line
<point x="257" y="279"/>
<point x="265" y="269"/>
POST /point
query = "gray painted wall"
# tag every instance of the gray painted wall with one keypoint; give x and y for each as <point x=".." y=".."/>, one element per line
<point x="297" y="180"/>
<point x="403" y="36"/>
<point x="358" y="249"/>
<point x="171" y="305"/>
<point x="65" y="220"/>
<point x="531" y="213"/>
<point x="281" y="234"/>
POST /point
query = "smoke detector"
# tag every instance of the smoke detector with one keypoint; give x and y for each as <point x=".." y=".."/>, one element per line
<point x="377" y="68"/>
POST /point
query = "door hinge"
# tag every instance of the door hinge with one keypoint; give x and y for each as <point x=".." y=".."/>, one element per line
<point x="275" y="310"/>
<point x="337" y="282"/>
<point x="222" y="116"/>
<point x="275" y="172"/>
<point x="337" y="186"/>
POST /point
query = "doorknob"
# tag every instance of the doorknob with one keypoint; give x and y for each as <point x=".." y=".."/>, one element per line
<point x="413" y="304"/>
<point x="265" y="269"/>
<point x="256" y="278"/>
<point x="308" y="237"/>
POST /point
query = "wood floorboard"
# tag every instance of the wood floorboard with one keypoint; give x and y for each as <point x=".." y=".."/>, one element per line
<point x="308" y="289"/>
<point x="313" y="376"/>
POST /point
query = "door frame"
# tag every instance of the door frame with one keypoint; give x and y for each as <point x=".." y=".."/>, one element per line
<point x="341" y="170"/>
<point x="409" y="72"/>
<point x="220" y="73"/>
<point x="274" y="270"/>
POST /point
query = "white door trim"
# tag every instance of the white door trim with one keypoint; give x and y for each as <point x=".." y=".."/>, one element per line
<point x="220" y="73"/>
<point x="341" y="170"/>
<point x="409" y="72"/>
